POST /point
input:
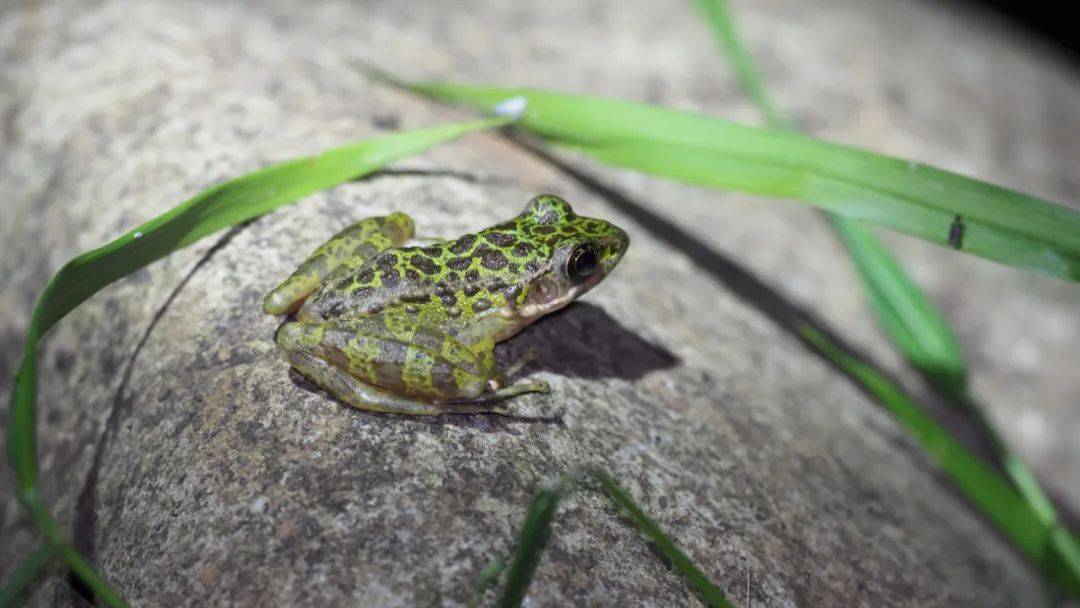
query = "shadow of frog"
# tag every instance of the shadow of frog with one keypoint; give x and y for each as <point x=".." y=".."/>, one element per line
<point x="583" y="341"/>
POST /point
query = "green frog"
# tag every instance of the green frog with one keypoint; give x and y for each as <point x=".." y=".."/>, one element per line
<point x="412" y="329"/>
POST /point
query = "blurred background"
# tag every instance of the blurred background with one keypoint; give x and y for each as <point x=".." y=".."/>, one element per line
<point x="180" y="455"/>
<point x="1050" y="21"/>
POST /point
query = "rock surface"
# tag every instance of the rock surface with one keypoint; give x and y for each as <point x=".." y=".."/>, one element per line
<point x="178" y="450"/>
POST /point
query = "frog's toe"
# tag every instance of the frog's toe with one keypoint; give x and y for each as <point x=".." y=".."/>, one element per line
<point x="532" y="386"/>
<point x="277" y="303"/>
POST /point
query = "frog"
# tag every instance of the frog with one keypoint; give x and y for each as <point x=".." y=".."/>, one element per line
<point x="388" y="326"/>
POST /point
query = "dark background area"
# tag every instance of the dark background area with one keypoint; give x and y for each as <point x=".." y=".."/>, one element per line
<point x="1051" y="21"/>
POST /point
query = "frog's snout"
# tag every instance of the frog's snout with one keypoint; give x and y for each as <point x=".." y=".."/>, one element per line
<point x="614" y="247"/>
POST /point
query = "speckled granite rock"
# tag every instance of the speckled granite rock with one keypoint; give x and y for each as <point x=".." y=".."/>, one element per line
<point x="179" y="451"/>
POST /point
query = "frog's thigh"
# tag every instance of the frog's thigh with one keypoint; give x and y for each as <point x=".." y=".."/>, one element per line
<point x="355" y="244"/>
<point x="414" y="360"/>
<point x="360" y="394"/>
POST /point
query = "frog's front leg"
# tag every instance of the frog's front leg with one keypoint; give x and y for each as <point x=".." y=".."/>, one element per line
<point x="355" y="244"/>
<point x="378" y="364"/>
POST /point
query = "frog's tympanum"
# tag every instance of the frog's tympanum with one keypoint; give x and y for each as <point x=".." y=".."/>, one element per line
<point x="412" y="330"/>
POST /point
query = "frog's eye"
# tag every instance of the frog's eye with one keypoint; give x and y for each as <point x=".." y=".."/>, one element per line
<point x="581" y="263"/>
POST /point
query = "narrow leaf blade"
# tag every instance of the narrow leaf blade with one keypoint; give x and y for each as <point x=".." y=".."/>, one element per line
<point x="906" y="314"/>
<point x="697" y="579"/>
<point x="1002" y="225"/>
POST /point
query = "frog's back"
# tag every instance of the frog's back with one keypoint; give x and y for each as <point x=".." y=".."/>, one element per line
<point x="444" y="283"/>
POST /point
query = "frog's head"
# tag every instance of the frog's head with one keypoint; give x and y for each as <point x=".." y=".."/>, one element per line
<point x="578" y="252"/>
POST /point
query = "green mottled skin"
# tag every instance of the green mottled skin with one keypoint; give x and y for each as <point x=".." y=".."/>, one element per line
<point x="412" y="330"/>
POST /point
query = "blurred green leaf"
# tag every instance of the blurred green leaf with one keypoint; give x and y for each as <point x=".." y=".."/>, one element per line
<point x="532" y="539"/>
<point x="917" y="328"/>
<point x="1014" y="228"/>
<point x="487" y="579"/>
<point x="697" y="579"/>
<point x="915" y="325"/>
<point x="1010" y="512"/>
<point x="1002" y="225"/>
<point x="906" y="314"/>
<point x="24" y="575"/>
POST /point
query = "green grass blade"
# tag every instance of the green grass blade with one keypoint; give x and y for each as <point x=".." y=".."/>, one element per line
<point x="228" y="204"/>
<point x="1011" y="227"/>
<point x="708" y="591"/>
<point x="25" y="574"/>
<point x="993" y="496"/>
<point x="488" y="578"/>
<point x="22" y="416"/>
<point x="218" y="207"/>
<point x="915" y="325"/>
<point x="907" y="315"/>
<point x="723" y="27"/>
<point x="536" y="529"/>
<point x="534" y="534"/>
<point x="81" y="568"/>
<point x="1002" y="225"/>
<point x="1063" y="542"/>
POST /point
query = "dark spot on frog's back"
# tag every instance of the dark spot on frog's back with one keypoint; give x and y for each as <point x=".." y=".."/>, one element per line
<point x="522" y="249"/>
<point x="463" y="244"/>
<point x="492" y="259"/>
<point x="424" y="264"/>
<point x="390" y="278"/>
<point x="412" y="276"/>
<point x="461" y="263"/>
<point x="386" y="261"/>
<point x="500" y="239"/>
<point x="335" y="309"/>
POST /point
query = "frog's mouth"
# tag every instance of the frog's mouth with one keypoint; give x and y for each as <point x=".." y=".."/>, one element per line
<point x="547" y="294"/>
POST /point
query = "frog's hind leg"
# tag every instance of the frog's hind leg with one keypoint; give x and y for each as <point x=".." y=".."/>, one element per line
<point x="364" y="396"/>
<point x="373" y="364"/>
<point x="356" y="244"/>
<point x="360" y="394"/>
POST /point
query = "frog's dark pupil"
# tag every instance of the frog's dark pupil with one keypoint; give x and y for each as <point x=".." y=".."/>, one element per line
<point x="582" y="262"/>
